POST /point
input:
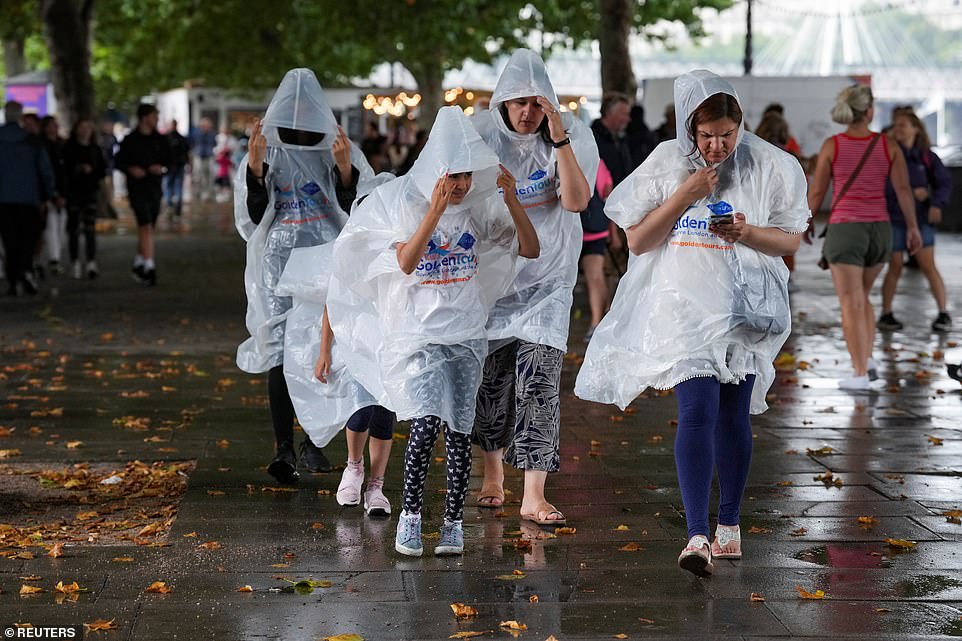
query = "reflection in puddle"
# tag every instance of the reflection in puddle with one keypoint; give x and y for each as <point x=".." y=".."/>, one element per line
<point x="837" y="556"/>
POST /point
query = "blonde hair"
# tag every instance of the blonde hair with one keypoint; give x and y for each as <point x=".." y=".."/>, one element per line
<point x="852" y="104"/>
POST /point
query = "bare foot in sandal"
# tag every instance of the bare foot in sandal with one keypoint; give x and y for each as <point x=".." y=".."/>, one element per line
<point x="547" y="514"/>
<point x="491" y="496"/>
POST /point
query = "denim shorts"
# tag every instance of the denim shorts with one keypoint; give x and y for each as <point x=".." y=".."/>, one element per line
<point x="898" y="236"/>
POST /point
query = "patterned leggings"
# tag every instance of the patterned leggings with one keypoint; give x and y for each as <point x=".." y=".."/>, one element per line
<point x="519" y="406"/>
<point x="417" y="458"/>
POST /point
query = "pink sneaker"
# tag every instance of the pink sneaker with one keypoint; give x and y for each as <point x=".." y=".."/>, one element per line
<point x="375" y="503"/>
<point x="349" y="490"/>
<point x="727" y="543"/>
<point x="696" y="557"/>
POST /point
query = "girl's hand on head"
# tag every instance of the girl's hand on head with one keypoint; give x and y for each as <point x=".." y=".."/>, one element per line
<point x="341" y="150"/>
<point x="256" y="149"/>
<point x="441" y="195"/>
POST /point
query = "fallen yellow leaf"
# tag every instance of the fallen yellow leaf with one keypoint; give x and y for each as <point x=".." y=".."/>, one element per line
<point x="934" y="440"/>
<point x="901" y="544"/>
<point x="533" y="598"/>
<point x="462" y="611"/>
<point x="466" y="635"/>
<point x="344" y="637"/>
<point x="759" y="530"/>
<point x="210" y="545"/>
<point x="72" y="445"/>
<point x="123" y="559"/>
<point x="630" y="547"/>
<point x="245" y="588"/>
<point x="100" y="625"/>
<point x="513" y="625"/>
<point x="565" y="530"/>
<point x="158" y="587"/>
<point x="620" y="636"/>
<point x="817" y="594"/>
<point x="757" y="598"/>
<point x="56" y="551"/>
<point x="26" y="590"/>
<point x="622" y="528"/>
<point x="70" y="588"/>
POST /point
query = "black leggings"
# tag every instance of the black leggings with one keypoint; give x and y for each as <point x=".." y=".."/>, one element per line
<point x="282" y="409"/>
<point x="374" y="419"/>
<point x="417" y="458"/>
<point x="82" y="217"/>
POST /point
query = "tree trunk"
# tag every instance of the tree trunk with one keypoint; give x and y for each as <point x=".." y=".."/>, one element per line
<point x="615" y="27"/>
<point x="13" y="59"/>
<point x="430" y="78"/>
<point x="66" y="27"/>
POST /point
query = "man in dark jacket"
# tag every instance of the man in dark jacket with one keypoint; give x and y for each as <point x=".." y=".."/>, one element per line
<point x="26" y="183"/>
<point x="144" y="156"/>
<point x="609" y="133"/>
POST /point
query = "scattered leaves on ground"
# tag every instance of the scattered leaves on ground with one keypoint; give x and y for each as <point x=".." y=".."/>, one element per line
<point x="513" y="625"/>
<point x="805" y="594"/>
<point x="27" y="590"/>
<point x="799" y="532"/>
<point x="630" y="547"/>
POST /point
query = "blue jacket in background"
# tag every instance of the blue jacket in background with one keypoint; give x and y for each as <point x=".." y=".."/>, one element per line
<point x="925" y="170"/>
<point x="26" y="177"/>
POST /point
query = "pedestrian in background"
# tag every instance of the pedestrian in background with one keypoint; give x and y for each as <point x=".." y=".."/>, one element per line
<point x="858" y="241"/>
<point x="144" y="156"/>
<point x="931" y="188"/>
<point x="85" y="170"/>
<point x="26" y="183"/>
<point x="174" y="179"/>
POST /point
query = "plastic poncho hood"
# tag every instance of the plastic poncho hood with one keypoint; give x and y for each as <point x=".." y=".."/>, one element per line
<point x="300" y="103"/>
<point x="678" y="311"/>
<point x="538" y="305"/>
<point x="691" y="90"/>
<point x="456" y="149"/>
<point x="417" y="341"/>
<point x="302" y="211"/>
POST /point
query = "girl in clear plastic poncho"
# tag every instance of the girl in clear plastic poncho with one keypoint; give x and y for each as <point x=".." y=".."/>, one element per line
<point x="416" y="270"/>
<point x="301" y="176"/>
<point x="703" y="306"/>
<point x="324" y="394"/>
<point x="555" y="159"/>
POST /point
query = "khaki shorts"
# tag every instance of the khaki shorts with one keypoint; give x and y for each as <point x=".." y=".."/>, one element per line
<point x="861" y="244"/>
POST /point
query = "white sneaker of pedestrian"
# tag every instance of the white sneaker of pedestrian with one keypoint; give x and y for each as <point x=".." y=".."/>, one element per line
<point x="855" y="383"/>
<point x="349" y="490"/>
<point x="92" y="270"/>
<point x="77" y="271"/>
<point x="375" y="503"/>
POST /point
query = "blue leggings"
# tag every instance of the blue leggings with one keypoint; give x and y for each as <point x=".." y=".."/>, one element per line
<point x="714" y="430"/>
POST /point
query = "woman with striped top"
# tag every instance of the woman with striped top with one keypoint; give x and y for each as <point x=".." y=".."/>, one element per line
<point x="859" y="238"/>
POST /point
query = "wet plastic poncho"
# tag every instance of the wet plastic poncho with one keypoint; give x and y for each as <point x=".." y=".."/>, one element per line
<point x="674" y="316"/>
<point x="417" y="341"/>
<point x="302" y="212"/>
<point x="537" y="308"/>
<point x="321" y="408"/>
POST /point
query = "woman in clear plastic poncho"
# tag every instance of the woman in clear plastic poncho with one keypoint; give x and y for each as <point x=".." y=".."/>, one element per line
<point x="703" y="307"/>
<point x="301" y="175"/>
<point x="416" y="271"/>
<point x="554" y="158"/>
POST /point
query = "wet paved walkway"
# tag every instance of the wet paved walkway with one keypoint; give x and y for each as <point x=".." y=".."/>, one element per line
<point x="111" y="355"/>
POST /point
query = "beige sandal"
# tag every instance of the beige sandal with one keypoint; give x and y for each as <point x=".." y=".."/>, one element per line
<point x="541" y="516"/>
<point x="491" y="496"/>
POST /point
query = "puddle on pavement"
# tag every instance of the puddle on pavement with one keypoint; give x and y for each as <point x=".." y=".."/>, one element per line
<point x="923" y="586"/>
<point x="837" y="556"/>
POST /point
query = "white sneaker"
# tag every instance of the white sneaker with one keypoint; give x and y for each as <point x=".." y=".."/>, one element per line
<point x="92" y="270"/>
<point x="77" y="271"/>
<point x="349" y="490"/>
<point x="375" y="503"/>
<point x="855" y="383"/>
